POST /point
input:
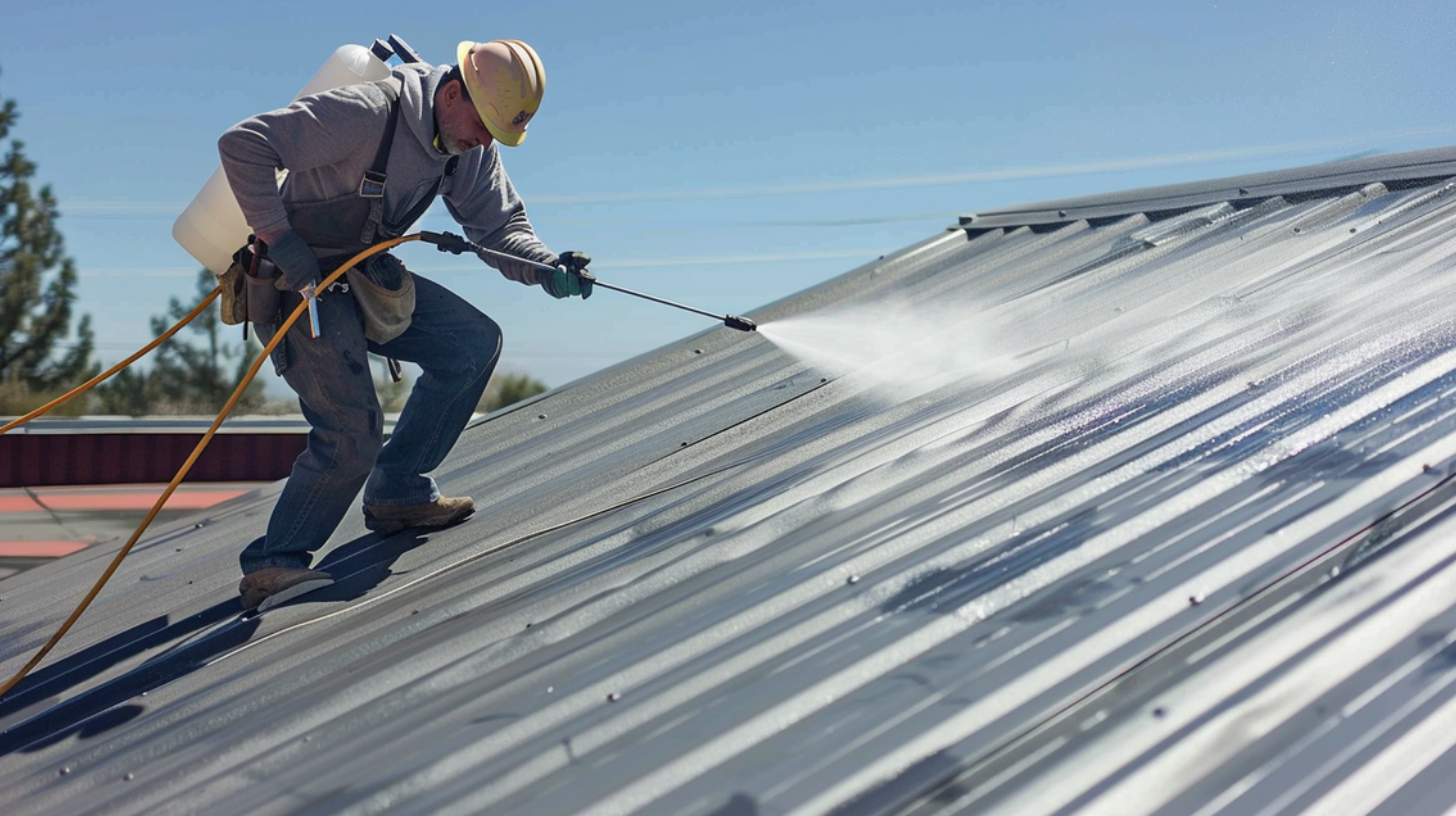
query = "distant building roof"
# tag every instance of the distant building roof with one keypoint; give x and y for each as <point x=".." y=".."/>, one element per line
<point x="1186" y="547"/>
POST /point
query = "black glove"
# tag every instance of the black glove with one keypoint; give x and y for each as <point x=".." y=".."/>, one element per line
<point x="570" y="278"/>
<point x="297" y="265"/>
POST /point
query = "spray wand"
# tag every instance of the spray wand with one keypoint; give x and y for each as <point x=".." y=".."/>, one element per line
<point x="449" y="242"/>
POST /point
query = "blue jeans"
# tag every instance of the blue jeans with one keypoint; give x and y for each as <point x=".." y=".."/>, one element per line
<point x="456" y="346"/>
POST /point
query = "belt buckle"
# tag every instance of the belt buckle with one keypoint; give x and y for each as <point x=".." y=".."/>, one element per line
<point x="372" y="185"/>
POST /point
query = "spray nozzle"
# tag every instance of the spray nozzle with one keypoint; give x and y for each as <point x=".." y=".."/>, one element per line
<point x="739" y="323"/>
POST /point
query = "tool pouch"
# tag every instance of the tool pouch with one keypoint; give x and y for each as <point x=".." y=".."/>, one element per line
<point x="234" y="300"/>
<point x="263" y="302"/>
<point x="385" y="292"/>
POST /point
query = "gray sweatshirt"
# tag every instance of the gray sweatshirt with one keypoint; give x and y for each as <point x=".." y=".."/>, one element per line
<point x="328" y="140"/>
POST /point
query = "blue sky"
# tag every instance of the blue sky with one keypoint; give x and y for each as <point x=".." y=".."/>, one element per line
<point x="723" y="155"/>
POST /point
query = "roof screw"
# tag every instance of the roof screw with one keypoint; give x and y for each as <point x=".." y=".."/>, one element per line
<point x="684" y="444"/>
<point x="854" y="579"/>
<point x="65" y="770"/>
<point x="550" y="689"/>
<point x="129" y="777"/>
<point x="1160" y="713"/>
<point x="697" y="351"/>
<point x="1195" y="600"/>
<point x="613" y="697"/>
<point x="540" y="416"/>
<point x="1061" y="213"/>
<point x="1242" y="191"/>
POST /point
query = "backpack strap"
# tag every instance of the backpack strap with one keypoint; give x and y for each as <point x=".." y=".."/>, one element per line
<point x="371" y="186"/>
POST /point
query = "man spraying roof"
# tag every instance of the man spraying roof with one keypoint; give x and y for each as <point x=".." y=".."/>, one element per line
<point x="363" y="163"/>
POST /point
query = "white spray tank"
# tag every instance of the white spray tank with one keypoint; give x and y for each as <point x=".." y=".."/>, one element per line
<point x="212" y="227"/>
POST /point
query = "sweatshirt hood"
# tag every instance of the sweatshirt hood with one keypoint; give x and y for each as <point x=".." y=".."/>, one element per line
<point x="418" y="83"/>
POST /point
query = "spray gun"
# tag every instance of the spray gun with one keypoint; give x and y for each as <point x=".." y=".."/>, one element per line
<point x="449" y="242"/>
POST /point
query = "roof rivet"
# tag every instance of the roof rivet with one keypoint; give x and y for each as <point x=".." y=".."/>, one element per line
<point x="550" y="689"/>
<point x="1195" y="600"/>
<point x="697" y="351"/>
<point x="1159" y="713"/>
<point x="1061" y="213"/>
<point x="854" y="579"/>
<point x="613" y="697"/>
<point x="65" y="770"/>
<point x="129" y="777"/>
<point x="684" y="444"/>
<point x="540" y="416"/>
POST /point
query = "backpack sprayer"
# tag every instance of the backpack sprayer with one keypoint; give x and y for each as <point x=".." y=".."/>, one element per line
<point x="452" y="243"/>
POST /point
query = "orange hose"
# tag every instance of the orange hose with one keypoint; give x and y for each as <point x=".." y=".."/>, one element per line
<point x="99" y="378"/>
<point x="196" y="452"/>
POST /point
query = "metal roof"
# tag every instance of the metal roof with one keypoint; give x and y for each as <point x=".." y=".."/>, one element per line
<point x="1190" y="551"/>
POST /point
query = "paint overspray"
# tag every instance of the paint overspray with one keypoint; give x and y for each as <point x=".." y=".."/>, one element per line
<point x="897" y="350"/>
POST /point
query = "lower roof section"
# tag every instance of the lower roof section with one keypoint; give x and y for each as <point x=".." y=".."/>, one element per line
<point x="1165" y="529"/>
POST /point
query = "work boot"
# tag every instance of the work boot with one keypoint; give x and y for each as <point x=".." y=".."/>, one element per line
<point x="442" y="512"/>
<point x="271" y="586"/>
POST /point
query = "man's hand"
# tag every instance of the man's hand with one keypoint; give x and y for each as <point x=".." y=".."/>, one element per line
<point x="297" y="266"/>
<point x="570" y="278"/>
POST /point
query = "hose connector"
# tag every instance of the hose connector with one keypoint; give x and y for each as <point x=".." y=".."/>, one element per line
<point x="448" y="242"/>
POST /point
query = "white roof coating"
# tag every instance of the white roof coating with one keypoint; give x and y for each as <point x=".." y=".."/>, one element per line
<point x="1148" y="510"/>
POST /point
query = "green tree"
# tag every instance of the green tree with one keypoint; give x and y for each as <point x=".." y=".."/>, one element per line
<point x="37" y="280"/>
<point x="188" y="377"/>
<point x="507" y="389"/>
<point x="392" y="395"/>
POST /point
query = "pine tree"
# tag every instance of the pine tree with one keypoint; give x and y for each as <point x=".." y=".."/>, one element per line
<point x="37" y="280"/>
<point x="188" y="378"/>
<point x="187" y="375"/>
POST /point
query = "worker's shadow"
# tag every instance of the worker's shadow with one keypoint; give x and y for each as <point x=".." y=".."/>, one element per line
<point x="37" y="713"/>
<point x="34" y="715"/>
<point x="361" y="565"/>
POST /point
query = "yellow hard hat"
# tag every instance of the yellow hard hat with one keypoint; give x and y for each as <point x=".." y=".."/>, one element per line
<point x="505" y="80"/>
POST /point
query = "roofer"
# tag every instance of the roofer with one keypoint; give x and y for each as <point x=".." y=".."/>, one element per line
<point x="427" y="131"/>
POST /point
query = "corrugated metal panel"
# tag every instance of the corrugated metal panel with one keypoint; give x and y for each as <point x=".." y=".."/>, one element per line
<point x="1189" y="552"/>
<point x="115" y="451"/>
<point x="38" y="460"/>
